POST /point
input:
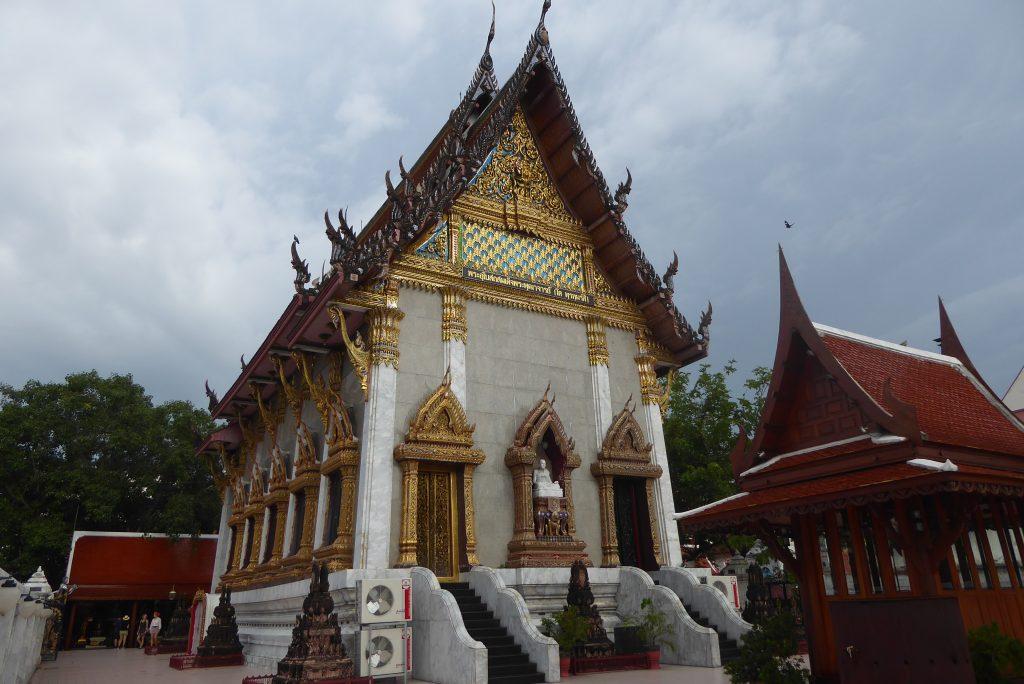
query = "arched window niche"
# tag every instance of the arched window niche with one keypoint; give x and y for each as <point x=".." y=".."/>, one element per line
<point x="545" y="526"/>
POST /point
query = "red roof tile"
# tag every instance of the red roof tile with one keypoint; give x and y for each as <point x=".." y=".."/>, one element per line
<point x="950" y="408"/>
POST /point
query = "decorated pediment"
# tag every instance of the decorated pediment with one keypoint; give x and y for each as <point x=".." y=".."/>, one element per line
<point x="441" y="419"/>
<point x="510" y="228"/>
<point x="514" y="175"/>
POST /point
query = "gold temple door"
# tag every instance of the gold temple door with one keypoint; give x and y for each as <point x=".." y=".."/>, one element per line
<point x="437" y="541"/>
<point x="437" y="460"/>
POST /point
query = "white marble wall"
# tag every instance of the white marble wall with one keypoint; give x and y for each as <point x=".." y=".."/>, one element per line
<point x="442" y="649"/>
<point x="21" y="639"/>
<point x="511" y="357"/>
<point x="220" y="564"/>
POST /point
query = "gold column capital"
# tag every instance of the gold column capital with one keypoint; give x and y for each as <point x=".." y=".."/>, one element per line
<point x="650" y="390"/>
<point x="384" y="323"/>
<point x="453" y="314"/>
<point x="597" y="341"/>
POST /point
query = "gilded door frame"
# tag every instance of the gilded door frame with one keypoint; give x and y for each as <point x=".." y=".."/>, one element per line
<point x="440" y="433"/>
<point x="625" y="452"/>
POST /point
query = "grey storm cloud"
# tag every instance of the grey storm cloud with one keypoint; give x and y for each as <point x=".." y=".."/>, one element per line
<point x="157" y="158"/>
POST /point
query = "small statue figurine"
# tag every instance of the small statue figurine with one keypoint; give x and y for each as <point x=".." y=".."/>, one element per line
<point x="542" y="484"/>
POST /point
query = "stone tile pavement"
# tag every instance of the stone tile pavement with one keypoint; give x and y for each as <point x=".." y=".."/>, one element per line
<point x="129" y="666"/>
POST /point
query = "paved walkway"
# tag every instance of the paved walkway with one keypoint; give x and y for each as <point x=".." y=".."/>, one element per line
<point x="129" y="666"/>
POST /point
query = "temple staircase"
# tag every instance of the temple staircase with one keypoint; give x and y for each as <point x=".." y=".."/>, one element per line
<point x="506" y="662"/>
<point x="728" y="649"/>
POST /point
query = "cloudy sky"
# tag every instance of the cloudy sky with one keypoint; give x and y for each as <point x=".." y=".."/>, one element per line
<point x="156" y="158"/>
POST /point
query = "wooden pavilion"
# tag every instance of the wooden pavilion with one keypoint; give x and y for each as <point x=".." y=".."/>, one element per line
<point x="888" y="480"/>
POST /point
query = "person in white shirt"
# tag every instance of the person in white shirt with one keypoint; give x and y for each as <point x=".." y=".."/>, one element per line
<point x="154" y="629"/>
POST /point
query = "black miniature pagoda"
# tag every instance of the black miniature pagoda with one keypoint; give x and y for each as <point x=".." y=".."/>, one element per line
<point x="316" y="652"/>
<point x="221" y="646"/>
<point x="175" y="639"/>
<point x="582" y="598"/>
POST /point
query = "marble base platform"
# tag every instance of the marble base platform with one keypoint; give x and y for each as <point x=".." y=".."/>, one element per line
<point x="266" y="616"/>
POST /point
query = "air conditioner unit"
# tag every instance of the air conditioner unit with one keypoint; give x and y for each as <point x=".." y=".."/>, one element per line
<point x="384" y="652"/>
<point x="385" y="600"/>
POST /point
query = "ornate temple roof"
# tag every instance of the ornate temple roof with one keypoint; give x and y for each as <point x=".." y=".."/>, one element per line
<point x="428" y="188"/>
<point x="851" y="418"/>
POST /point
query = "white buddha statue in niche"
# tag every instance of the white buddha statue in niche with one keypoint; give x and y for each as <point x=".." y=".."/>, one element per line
<point x="542" y="484"/>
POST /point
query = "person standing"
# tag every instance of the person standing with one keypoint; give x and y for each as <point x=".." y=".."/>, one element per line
<point x="141" y="630"/>
<point x="154" y="629"/>
<point x="122" y="632"/>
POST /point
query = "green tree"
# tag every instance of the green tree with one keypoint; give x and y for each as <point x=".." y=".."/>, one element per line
<point x="701" y="428"/>
<point x="95" y="453"/>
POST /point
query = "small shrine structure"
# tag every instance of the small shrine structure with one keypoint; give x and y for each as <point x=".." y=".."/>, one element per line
<point x="888" y="480"/>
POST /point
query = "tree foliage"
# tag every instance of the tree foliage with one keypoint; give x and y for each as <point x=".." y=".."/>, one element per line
<point x="767" y="654"/>
<point x="702" y="427"/>
<point x="95" y="453"/>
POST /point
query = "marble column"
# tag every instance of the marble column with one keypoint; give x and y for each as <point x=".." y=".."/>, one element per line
<point x="288" y="522"/>
<point x="223" y="538"/>
<point x="652" y="395"/>
<point x="376" y="459"/>
<point x="321" y="512"/>
<point x="454" y="336"/>
<point x="597" y="352"/>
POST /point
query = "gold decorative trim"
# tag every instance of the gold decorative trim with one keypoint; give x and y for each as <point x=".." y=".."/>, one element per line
<point x="625" y="452"/>
<point x="357" y="352"/>
<point x="414" y="271"/>
<point x="453" y="314"/>
<point x="270" y="416"/>
<point x="597" y="342"/>
<point x="515" y="176"/>
<point x="665" y="395"/>
<point x="440" y="433"/>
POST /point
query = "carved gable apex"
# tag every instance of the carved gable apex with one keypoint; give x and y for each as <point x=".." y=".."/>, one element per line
<point x="514" y="175"/>
<point x="441" y="419"/>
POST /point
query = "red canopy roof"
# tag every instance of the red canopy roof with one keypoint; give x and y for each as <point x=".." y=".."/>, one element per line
<point x="108" y="565"/>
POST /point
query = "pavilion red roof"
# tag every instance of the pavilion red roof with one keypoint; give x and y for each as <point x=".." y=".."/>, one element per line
<point x="953" y="406"/>
<point x="108" y="565"/>
<point x="852" y="415"/>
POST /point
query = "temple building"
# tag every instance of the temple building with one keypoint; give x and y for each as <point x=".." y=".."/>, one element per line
<point x="478" y="379"/>
<point x="896" y="474"/>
